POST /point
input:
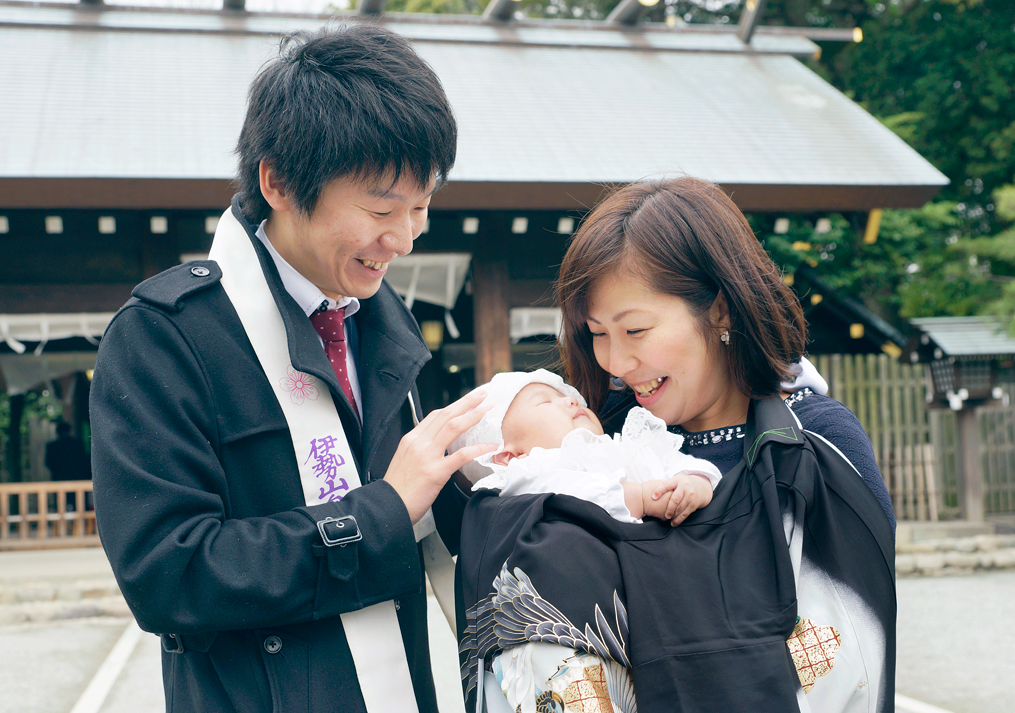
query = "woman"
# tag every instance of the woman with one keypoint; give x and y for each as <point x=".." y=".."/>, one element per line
<point x="779" y="595"/>
<point x="666" y="289"/>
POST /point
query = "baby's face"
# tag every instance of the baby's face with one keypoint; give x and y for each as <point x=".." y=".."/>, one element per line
<point x="541" y="416"/>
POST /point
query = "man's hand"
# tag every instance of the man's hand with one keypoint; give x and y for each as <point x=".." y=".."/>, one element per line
<point x="419" y="468"/>
<point x="687" y="492"/>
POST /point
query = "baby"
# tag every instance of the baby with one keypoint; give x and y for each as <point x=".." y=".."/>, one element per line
<point x="551" y="443"/>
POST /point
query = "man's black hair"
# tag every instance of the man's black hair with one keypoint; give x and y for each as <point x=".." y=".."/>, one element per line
<point x="354" y="101"/>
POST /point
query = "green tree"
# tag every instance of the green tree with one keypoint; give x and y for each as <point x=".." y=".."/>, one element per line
<point x="995" y="255"/>
<point x="947" y="69"/>
<point x="915" y="268"/>
<point x="34" y="404"/>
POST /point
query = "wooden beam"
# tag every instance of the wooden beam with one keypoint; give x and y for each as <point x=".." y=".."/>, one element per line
<point x="141" y="193"/>
<point x="475" y="195"/>
<point x="628" y="12"/>
<point x="33" y="299"/>
<point x="749" y="19"/>
<point x="501" y="10"/>
<point x="370" y="7"/>
<point x="215" y="194"/>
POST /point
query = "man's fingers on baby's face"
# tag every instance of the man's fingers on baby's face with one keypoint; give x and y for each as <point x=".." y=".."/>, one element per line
<point x="481" y="410"/>
<point x="466" y="455"/>
<point x="457" y="425"/>
<point x="456" y="408"/>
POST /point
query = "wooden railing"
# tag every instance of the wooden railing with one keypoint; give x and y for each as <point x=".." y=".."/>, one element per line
<point x="889" y="399"/>
<point x="46" y="514"/>
<point x="916" y="448"/>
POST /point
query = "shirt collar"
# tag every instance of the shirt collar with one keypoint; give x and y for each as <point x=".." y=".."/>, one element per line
<point x="307" y="295"/>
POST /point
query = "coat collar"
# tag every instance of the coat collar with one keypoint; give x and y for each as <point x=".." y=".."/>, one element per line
<point x="391" y="352"/>
<point x="769" y="421"/>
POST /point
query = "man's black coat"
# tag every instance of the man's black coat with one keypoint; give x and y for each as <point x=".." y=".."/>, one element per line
<point x="201" y="511"/>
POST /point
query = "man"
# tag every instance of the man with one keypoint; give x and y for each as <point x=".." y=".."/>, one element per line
<point x="239" y="402"/>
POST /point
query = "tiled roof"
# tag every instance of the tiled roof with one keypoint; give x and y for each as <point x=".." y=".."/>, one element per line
<point x="161" y="96"/>
<point x="967" y="336"/>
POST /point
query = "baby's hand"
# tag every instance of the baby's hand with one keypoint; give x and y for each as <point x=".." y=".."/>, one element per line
<point x="675" y="498"/>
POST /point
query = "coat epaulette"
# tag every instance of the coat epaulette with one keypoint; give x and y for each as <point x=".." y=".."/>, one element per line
<point x="168" y="289"/>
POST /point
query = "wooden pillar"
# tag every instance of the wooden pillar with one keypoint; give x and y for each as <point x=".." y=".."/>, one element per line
<point x="79" y="419"/>
<point x="17" y="403"/>
<point x="491" y="311"/>
<point x="750" y="17"/>
<point x="969" y="466"/>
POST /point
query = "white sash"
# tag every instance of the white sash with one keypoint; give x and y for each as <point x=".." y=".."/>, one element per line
<point x="327" y="469"/>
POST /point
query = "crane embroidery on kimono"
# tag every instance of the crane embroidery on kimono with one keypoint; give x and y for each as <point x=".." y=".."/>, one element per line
<point x="514" y="613"/>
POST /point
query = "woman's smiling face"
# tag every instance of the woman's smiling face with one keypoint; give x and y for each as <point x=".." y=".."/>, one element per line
<point x="654" y="343"/>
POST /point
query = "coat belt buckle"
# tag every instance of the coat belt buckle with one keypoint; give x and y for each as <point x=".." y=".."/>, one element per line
<point x="339" y="531"/>
<point x="172" y="643"/>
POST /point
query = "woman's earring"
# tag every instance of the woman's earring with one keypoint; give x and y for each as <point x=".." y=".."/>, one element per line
<point x="725" y="337"/>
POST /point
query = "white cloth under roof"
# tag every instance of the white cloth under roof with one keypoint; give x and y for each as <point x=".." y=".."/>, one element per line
<point x="436" y="278"/>
<point x="534" y="322"/>
<point x="23" y="372"/>
<point x="15" y="329"/>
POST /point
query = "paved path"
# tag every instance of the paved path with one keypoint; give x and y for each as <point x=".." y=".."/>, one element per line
<point x="956" y="643"/>
<point x="55" y="658"/>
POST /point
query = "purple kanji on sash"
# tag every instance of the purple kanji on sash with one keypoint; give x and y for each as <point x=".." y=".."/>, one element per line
<point x="326" y="465"/>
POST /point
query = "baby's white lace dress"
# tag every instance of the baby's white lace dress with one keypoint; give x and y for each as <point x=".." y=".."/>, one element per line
<point x="593" y="467"/>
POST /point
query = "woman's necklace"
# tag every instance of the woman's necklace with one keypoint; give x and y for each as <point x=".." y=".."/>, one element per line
<point x="718" y="435"/>
<point x="702" y="438"/>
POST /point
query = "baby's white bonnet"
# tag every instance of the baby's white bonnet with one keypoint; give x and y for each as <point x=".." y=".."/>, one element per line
<point x="500" y="392"/>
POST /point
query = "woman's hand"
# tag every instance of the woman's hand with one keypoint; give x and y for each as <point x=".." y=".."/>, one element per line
<point x="420" y="468"/>
<point x="687" y="492"/>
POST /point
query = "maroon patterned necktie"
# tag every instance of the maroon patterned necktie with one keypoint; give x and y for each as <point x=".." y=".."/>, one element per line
<point x="331" y="326"/>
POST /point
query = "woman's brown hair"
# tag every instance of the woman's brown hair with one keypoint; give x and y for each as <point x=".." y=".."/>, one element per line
<point x="684" y="237"/>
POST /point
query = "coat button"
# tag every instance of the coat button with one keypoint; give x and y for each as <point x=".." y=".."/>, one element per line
<point x="273" y="644"/>
<point x="200" y="271"/>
